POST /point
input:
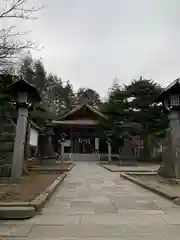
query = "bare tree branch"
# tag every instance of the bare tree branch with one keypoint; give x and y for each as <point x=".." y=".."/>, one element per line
<point x="10" y="45"/>
<point x="16" y="9"/>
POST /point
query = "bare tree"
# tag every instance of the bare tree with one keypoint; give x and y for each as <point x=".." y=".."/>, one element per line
<point x="10" y="43"/>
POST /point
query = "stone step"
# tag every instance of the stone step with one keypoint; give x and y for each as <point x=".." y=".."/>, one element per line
<point x="6" y="146"/>
<point x="33" y="163"/>
<point x="84" y="157"/>
<point x="14" y="212"/>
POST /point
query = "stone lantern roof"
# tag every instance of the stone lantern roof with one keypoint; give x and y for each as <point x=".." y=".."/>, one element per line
<point x="23" y="86"/>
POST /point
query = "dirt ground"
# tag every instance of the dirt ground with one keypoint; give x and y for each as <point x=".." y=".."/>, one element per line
<point x="25" y="189"/>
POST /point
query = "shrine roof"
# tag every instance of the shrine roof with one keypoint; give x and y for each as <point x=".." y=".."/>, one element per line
<point x="78" y="108"/>
<point x="22" y="85"/>
<point x="173" y="87"/>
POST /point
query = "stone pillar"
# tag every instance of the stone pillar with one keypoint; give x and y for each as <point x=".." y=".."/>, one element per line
<point x="18" y="154"/>
<point x="109" y="152"/>
<point x="171" y="156"/>
<point x="71" y="139"/>
<point x="62" y="151"/>
<point x="27" y="145"/>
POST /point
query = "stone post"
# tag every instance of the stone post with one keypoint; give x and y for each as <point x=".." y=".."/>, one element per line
<point x="62" y="152"/>
<point x="109" y="152"/>
<point x="18" y="154"/>
<point x="27" y="145"/>
<point x="63" y="136"/>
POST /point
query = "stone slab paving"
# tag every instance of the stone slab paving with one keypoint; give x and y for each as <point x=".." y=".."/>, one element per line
<point x="95" y="204"/>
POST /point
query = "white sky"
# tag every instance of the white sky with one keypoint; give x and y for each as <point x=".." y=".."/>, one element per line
<point x="89" y="42"/>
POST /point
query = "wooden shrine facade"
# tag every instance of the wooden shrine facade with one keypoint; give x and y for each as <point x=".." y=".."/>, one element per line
<point x="82" y="129"/>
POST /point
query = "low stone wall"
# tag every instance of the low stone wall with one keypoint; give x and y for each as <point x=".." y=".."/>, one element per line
<point x="156" y="189"/>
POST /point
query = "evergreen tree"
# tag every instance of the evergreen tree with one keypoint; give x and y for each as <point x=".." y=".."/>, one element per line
<point x="26" y="70"/>
<point x="39" y="75"/>
<point x="132" y="108"/>
<point x="92" y="97"/>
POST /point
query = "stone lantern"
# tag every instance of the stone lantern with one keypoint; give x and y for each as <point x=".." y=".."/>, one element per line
<point x="127" y="156"/>
<point x="47" y="150"/>
<point x="63" y="137"/>
<point x="170" y="98"/>
<point x="25" y="96"/>
<point x="62" y="140"/>
<point x="109" y="141"/>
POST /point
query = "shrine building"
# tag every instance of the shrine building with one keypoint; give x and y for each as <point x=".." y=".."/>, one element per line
<point x="84" y="133"/>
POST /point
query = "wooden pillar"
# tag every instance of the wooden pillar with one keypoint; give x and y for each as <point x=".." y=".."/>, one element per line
<point x="71" y="138"/>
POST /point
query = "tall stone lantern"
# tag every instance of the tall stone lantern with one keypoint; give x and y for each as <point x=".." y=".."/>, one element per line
<point x="170" y="98"/>
<point x="25" y="97"/>
<point x="46" y="144"/>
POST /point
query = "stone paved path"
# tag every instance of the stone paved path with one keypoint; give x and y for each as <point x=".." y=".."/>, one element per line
<point x="95" y="204"/>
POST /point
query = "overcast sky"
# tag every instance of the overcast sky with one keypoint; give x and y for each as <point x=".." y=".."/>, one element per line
<point x="89" y="42"/>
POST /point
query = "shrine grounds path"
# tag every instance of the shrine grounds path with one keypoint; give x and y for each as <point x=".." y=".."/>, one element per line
<point x="95" y="204"/>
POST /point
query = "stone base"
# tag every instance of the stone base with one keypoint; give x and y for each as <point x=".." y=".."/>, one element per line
<point x="7" y="137"/>
<point x="169" y="171"/>
<point x="167" y="168"/>
<point x="166" y="172"/>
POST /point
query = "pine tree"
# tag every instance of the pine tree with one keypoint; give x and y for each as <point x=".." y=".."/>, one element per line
<point x="39" y="76"/>
<point x="26" y="69"/>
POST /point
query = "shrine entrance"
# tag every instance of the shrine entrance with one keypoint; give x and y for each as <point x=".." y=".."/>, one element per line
<point x="83" y="145"/>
